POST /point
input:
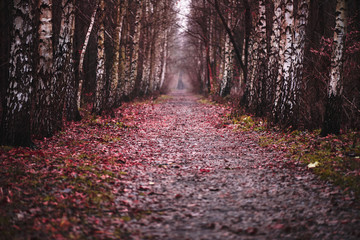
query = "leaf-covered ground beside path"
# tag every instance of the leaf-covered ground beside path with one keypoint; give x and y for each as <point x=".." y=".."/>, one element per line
<point x="168" y="169"/>
<point x="335" y="158"/>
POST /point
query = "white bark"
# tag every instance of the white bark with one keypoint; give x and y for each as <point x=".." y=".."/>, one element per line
<point x="45" y="37"/>
<point x="280" y="76"/>
<point x="43" y="124"/>
<point x="148" y="45"/>
<point x="100" y="67"/>
<point x="157" y="59"/>
<point x="63" y="62"/>
<point x="253" y="60"/>
<point x="275" y="48"/>
<point x="288" y="53"/>
<point x="164" y="64"/>
<point x="333" y="111"/>
<point x="227" y="75"/>
<point x="299" y="47"/>
<point x="21" y="59"/>
<point x="136" y="44"/>
<point x="262" y="38"/>
<point x="228" y="60"/>
<point x="337" y="57"/>
<point x="283" y="106"/>
<point x="114" y="79"/>
<point x="15" y="127"/>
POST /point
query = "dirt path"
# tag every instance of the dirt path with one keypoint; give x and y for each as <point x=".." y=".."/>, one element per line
<point x="199" y="180"/>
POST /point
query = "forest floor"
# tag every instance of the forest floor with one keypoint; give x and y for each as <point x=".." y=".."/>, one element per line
<point x="166" y="169"/>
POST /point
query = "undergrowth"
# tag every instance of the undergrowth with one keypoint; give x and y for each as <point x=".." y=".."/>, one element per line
<point x="334" y="158"/>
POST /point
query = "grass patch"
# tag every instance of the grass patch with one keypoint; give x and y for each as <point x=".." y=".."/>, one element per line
<point x="334" y="158"/>
<point x="245" y="122"/>
<point x="206" y="101"/>
<point x="162" y="98"/>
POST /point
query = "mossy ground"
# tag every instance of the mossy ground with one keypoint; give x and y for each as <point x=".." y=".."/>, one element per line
<point x="335" y="158"/>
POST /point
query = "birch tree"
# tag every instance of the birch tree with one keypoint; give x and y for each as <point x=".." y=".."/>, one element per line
<point x="253" y="59"/>
<point x="147" y="51"/>
<point x="261" y="103"/>
<point x="100" y="67"/>
<point x="125" y="59"/>
<point x="274" y="69"/>
<point x="152" y="52"/>
<point x="290" y="73"/>
<point x="16" y="124"/>
<point x="63" y="63"/>
<point x="210" y="54"/>
<point x="114" y="77"/>
<point x="164" y="58"/>
<point x="332" y="118"/>
<point x="135" y="54"/>
<point x="43" y="124"/>
<point x="283" y="107"/>
<point x="228" y="66"/>
<point x="299" y="49"/>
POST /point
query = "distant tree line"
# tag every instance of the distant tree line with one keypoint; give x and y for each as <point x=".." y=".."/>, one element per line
<point x="296" y="62"/>
<point x="55" y="51"/>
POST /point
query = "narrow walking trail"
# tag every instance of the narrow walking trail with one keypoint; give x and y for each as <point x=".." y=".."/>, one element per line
<point x="199" y="179"/>
<point x="165" y="169"/>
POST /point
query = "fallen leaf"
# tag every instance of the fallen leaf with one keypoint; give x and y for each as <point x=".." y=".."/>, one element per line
<point x="312" y="165"/>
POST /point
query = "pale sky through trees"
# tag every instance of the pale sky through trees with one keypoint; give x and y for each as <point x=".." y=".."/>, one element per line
<point x="183" y="9"/>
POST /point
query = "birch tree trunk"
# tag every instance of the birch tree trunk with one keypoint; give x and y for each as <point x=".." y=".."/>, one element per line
<point x="293" y="43"/>
<point x="253" y="59"/>
<point x="142" y="48"/>
<point x="153" y="49"/>
<point x="332" y="118"/>
<point x="114" y="77"/>
<point x="261" y="103"/>
<point x="124" y="61"/>
<point x="228" y="58"/>
<point x="127" y="63"/>
<point x="274" y="69"/>
<point x="159" y="45"/>
<point x="210" y="55"/>
<point x="15" y="125"/>
<point x="148" y="44"/>
<point x="298" y="58"/>
<point x="63" y="63"/>
<point x="157" y="60"/>
<point x="227" y="75"/>
<point x="284" y="107"/>
<point x="299" y="46"/>
<point x="71" y="109"/>
<point x="100" y="67"/>
<point x="164" y="59"/>
<point x="152" y="84"/>
<point x="136" y="44"/>
<point x="44" y="119"/>
<point x="82" y="56"/>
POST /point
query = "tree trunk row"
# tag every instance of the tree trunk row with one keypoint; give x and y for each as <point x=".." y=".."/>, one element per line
<point x="44" y="86"/>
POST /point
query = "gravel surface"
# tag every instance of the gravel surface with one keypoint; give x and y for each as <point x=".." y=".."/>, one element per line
<point x="200" y="179"/>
